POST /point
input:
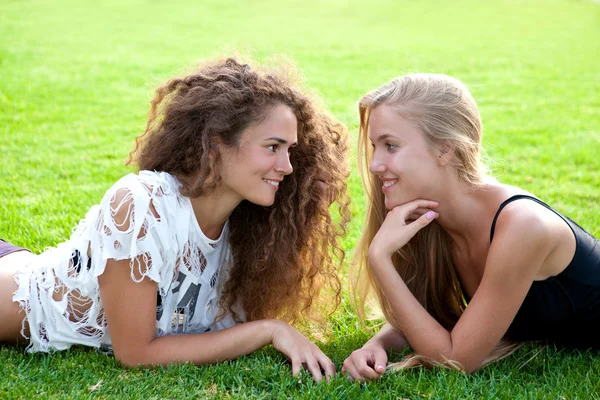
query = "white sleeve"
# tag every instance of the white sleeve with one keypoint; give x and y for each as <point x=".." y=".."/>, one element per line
<point x="132" y="223"/>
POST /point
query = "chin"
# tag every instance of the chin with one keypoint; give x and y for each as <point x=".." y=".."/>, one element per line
<point x="263" y="202"/>
<point x="390" y="204"/>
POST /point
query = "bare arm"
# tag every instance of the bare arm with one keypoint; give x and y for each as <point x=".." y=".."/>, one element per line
<point x="388" y="338"/>
<point x="130" y="307"/>
<point x="130" y="310"/>
<point x="519" y="249"/>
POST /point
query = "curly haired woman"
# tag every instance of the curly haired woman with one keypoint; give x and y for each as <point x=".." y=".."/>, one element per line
<point x="464" y="267"/>
<point x="220" y="241"/>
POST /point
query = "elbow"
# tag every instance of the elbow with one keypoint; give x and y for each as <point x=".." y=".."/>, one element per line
<point x="470" y="370"/>
<point x="463" y="357"/>
<point x="133" y="358"/>
<point x="466" y="366"/>
<point x="130" y="361"/>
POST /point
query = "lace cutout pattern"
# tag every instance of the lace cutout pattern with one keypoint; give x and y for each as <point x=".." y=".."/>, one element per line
<point x="143" y="219"/>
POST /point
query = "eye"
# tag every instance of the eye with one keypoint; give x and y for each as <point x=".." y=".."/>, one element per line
<point x="273" y="148"/>
<point x="390" y="146"/>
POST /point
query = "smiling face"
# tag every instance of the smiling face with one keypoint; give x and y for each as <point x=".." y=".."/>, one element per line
<point x="254" y="170"/>
<point x="402" y="159"/>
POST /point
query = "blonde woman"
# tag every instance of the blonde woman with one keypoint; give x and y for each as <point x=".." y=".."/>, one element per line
<point x="463" y="266"/>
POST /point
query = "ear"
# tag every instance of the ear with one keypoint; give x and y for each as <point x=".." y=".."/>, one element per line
<point x="212" y="154"/>
<point x="213" y="149"/>
<point x="445" y="153"/>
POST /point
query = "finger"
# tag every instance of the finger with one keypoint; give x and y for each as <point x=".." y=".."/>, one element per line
<point x="415" y="215"/>
<point x="380" y="361"/>
<point x="411" y="206"/>
<point x="350" y="370"/>
<point x="366" y="366"/>
<point x="367" y="372"/>
<point x="420" y="211"/>
<point x="314" y="368"/>
<point x="327" y="366"/>
<point x="422" y="221"/>
<point x="296" y="365"/>
<point x="412" y="217"/>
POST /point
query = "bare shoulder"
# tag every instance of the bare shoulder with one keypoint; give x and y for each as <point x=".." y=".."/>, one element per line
<point x="133" y="196"/>
<point x="523" y="239"/>
<point x="525" y="222"/>
<point x="523" y="218"/>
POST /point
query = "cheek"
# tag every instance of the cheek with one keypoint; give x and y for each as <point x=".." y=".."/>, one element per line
<point x="266" y="164"/>
<point x="255" y="160"/>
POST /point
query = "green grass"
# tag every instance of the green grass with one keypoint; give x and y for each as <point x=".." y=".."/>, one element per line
<point x="76" y="79"/>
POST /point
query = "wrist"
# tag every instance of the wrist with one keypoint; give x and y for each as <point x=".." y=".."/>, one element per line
<point x="374" y="343"/>
<point x="272" y="326"/>
<point x="379" y="340"/>
<point x="376" y="255"/>
<point x="389" y="338"/>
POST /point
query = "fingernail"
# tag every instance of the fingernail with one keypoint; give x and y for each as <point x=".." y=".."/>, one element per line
<point x="380" y="367"/>
<point x="430" y="215"/>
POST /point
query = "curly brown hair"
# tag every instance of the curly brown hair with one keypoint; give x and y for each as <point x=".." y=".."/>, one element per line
<point x="286" y="255"/>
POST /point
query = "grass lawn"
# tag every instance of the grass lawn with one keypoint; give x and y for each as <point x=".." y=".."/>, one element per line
<point x="76" y="78"/>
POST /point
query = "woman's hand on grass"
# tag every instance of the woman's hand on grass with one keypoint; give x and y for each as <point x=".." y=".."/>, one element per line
<point x="366" y="363"/>
<point x="301" y="351"/>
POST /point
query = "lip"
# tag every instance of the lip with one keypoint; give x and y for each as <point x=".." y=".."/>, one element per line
<point x="384" y="188"/>
<point x="274" y="187"/>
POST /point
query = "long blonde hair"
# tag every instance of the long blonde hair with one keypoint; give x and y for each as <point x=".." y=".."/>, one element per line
<point x="445" y="111"/>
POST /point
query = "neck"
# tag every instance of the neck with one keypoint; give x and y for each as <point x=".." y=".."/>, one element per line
<point x="462" y="212"/>
<point x="212" y="211"/>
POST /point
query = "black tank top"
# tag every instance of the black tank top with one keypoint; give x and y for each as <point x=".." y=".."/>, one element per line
<point x="564" y="308"/>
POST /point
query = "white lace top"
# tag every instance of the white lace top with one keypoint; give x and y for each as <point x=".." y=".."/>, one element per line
<point x="142" y="218"/>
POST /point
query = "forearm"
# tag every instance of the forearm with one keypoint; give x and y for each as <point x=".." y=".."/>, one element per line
<point x="426" y="336"/>
<point x="388" y="338"/>
<point x="203" y="348"/>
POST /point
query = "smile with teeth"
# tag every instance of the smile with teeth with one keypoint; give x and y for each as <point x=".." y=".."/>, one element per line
<point x="388" y="184"/>
<point x="272" y="183"/>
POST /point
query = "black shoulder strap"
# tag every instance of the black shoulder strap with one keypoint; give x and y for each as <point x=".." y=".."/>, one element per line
<point x="510" y="200"/>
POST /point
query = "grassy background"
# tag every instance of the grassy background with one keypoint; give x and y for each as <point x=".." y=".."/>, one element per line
<point x="76" y="78"/>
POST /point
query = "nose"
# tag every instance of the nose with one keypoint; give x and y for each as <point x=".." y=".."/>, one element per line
<point x="284" y="165"/>
<point x="376" y="166"/>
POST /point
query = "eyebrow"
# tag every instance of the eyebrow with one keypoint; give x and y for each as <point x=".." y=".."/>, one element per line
<point x="384" y="137"/>
<point x="280" y="140"/>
